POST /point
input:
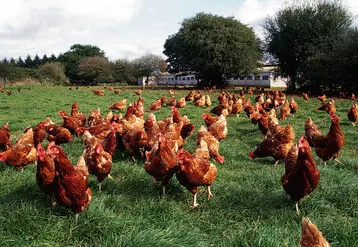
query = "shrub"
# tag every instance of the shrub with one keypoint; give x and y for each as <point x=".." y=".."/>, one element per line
<point x="53" y="72"/>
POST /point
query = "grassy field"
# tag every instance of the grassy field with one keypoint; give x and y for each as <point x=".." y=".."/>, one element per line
<point x="249" y="207"/>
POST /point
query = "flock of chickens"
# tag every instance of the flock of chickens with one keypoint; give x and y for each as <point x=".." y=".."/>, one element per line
<point x="161" y="143"/>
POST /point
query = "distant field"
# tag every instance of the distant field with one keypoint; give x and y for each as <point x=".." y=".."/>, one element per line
<point x="249" y="207"/>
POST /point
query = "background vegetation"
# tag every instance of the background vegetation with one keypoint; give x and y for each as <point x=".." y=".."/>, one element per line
<point x="214" y="47"/>
<point x="315" y="44"/>
<point x="81" y="65"/>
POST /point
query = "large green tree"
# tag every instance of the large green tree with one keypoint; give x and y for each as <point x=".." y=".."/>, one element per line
<point x="214" y="48"/>
<point x="72" y="58"/>
<point x="345" y="57"/>
<point x="302" y="36"/>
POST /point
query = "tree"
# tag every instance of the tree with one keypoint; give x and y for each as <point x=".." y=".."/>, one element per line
<point x="45" y="59"/>
<point x="4" y="61"/>
<point x="20" y="62"/>
<point x="214" y="48"/>
<point x="301" y="37"/>
<point x="75" y="55"/>
<point x="163" y="66"/>
<point x="95" y="69"/>
<point x="147" y="64"/>
<point x="53" y="58"/>
<point x="36" y="61"/>
<point x="12" y="61"/>
<point x="28" y="62"/>
<point x="53" y="72"/>
<point x="123" y="71"/>
<point x="345" y="61"/>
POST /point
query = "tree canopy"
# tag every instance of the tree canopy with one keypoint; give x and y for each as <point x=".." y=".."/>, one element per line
<point x="20" y="62"/>
<point x="53" y="72"/>
<point x="303" y="38"/>
<point x="28" y="62"/>
<point x="95" y="69"/>
<point x="123" y="71"/>
<point x="214" y="48"/>
<point x="72" y="58"/>
<point x="147" y="64"/>
<point x="37" y="61"/>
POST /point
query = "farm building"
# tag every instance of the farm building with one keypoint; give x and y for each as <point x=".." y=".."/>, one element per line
<point x="264" y="78"/>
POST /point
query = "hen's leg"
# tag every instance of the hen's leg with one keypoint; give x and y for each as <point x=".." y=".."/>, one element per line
<point x="109" y="176"/>
<point x="195" y="204"/>
<point x="99" y="187"/>
<point x="210" y="195"/>
<point x="53" y="202"/>
<point x="163" y="187"/>
<point x="154" y="181"/>
<point x="276" y="163"/>
<point x="338" y="162"/>
<point x="297" y="210"/>
<point x="133" y="159"/>
<point x="76" y="219"/>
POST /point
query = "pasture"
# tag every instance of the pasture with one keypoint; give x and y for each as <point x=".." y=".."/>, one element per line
<point x="249" y="207"/>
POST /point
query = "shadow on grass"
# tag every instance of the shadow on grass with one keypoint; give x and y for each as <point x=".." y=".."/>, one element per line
<point x="135" y="189"/>
<point x="123" y="156"/>
<point x="260" y="203"/>
<point x="30" y="195"/>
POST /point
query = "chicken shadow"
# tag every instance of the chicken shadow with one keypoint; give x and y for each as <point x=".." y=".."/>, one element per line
<point x="30" y="194"/>
<point x="123" y="156"/>
<point x="264" y="204"/>
<point x="133" y="188"/>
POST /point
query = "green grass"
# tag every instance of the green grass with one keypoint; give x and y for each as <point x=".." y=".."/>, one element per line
<point x="250" y="207"/>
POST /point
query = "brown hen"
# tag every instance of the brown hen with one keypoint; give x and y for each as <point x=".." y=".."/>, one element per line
<point x="5" y="141"/>
<point x="161" y="162"/>
<point x="301" y="174"/>
<point x="195" y="171"/>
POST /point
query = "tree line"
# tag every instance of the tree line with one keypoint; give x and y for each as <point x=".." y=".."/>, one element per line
<point x="313" y="43"/>
<point x="81" y="64"/>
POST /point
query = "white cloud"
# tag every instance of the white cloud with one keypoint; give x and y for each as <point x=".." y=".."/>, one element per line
<point x="353" y="6"/>
<point x="253" y="12"/>
<point x="42" y="26"/>
<point x="122" y="28"/>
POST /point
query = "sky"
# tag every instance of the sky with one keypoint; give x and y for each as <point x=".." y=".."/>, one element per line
<point x="122" y="28"/>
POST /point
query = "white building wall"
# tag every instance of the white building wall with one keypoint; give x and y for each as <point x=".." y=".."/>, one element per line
<point x="264" y="79"/>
